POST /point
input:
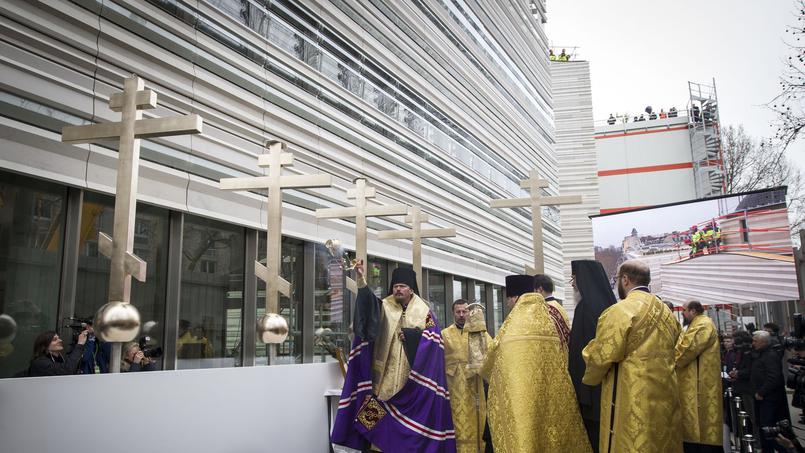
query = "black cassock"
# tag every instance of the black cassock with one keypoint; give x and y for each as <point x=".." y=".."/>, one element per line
<point x="596" y="296"/>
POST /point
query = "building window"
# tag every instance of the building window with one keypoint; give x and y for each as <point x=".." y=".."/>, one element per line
<point x="377" y="276"/>
<point x="32" y="216"/>
<point x="497" y="308"/>
<point x="211" y="307"/>
<point x="437" y="297"/>
<point x="150" y="244"/>
<point x="331" y="313"/>
<point x="292" y="269"/>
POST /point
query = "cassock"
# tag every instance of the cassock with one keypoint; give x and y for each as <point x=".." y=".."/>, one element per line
<point x="632" y="357"/>
<point x="531" y="405"/>
<point x="395" y="393"/>
<point x="465" y="349"/>
<point x="698" y="369"/>
<point x="595" y="296"/>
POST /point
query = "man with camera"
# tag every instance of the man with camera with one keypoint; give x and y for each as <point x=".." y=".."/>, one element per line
<point x="48" y="359"/>
<point x="135" y="359"/>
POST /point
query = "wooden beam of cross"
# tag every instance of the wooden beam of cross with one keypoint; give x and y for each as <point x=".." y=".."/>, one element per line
<point x="416" y="218"/>
<point x="536" y="201"/>
<point x="129" y="130"/>
<point x="274" y="182"/>
<point x="360" y="212"/>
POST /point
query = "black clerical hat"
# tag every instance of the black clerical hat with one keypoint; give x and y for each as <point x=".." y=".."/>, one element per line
<point x="405" y="276"/>
<point x="517" y="285"/>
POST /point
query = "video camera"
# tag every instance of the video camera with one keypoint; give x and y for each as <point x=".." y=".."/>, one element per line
<point x="150" y="352"/>
<point x="77" y="325"/>
<point x="795" y="341"/>
<point x="782" y="427"/>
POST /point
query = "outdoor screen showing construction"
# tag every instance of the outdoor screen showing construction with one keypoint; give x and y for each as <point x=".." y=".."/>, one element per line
<point x="728" y="250"/>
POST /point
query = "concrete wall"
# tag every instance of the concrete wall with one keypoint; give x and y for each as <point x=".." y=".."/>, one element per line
<point x="576" y="153"/>
<point x="644" y="164"/>
<point x="237" y="410"/>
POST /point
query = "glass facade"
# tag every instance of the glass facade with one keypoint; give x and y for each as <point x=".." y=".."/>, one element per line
<point x="211" y="306"/>
<point x="150" y="244"/>
<point x="32" y="221"/>
<point x="438" y="299"/>
<point x="208" y="326"/>
<point x="292" y="270"/>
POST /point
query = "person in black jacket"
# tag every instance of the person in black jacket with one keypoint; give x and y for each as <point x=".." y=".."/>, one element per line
<point x="48" y="359"/>
<point x="771" y="403"/>
<point x="592" y="295"/>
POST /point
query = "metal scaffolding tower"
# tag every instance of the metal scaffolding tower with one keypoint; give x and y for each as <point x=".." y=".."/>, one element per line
<point x="705" y="140"/>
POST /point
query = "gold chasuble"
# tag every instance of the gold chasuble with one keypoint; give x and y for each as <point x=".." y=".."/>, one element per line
<point x="467" y="399"/>
<point x="698" y="369"/>
<point x="632" y="357"/>
<point x="391" y="365"/>
<point x="532" y="404"/>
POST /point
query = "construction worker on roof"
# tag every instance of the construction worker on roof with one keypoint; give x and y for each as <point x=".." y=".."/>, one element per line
<point x="694" y="240"/>
<point x="709" y="239"/>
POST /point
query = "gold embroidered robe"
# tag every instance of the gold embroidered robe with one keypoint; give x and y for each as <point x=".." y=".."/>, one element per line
<point x="632" y="357"/>
<point x="532" y="404"/>
<point x="467" y="399"/>
<point x="698" y="369"/>
<point x="391" y="365"/>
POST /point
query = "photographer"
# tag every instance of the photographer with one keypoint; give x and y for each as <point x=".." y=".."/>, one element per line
<point x="48" y="359"/>
<point x="134" y="359"/>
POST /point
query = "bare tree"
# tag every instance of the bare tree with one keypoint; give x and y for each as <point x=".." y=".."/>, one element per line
<point x="752" y="165"/>
<point x="788" y="104"/>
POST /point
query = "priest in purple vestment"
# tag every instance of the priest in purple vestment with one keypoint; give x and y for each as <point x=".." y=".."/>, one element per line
<point x="395" y="396"/>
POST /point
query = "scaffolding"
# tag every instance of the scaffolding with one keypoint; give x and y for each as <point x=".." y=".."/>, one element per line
<point x="705" y="140"/>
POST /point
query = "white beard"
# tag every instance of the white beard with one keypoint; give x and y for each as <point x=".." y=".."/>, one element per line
<point x="576" y="296"/>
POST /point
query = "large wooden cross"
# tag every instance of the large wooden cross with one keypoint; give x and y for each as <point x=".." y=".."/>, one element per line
<point x="416" y="218"/>
<point x="274" y="182"/>
<point x="120" y="246"/>
<point x="536" y="201"/>
<point x="360" y="212"/>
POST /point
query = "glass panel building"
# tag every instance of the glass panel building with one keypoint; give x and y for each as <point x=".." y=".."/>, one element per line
<point x="443" y="105"/>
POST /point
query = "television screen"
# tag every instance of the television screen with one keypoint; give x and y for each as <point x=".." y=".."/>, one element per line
<point x="733" y="249"/>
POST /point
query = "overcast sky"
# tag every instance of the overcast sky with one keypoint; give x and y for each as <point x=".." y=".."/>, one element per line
<point x="644" y="53"/>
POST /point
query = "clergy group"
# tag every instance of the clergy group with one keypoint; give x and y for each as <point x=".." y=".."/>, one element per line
<point x="622" y="378"/>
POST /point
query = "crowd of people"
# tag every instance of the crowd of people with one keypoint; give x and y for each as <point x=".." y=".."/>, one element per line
<point x="649" y="115"/>
<point x="704" y="240"/>
<point x="626" y="376"/>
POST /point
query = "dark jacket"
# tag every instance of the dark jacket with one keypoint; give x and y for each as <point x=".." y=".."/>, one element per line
<point x="49" y="365"/>
<point x="596" y="296"/>
<point x="743" y="384"/>
<point x="767" y="376"/>
<point x="134" y="367"/>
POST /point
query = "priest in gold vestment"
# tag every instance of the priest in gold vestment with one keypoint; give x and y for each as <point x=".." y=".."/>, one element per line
<point x="632" y="357"/>
<point x="465" y="346"/>
<point x="698" y="368"/>
<point x="532" y="405"/>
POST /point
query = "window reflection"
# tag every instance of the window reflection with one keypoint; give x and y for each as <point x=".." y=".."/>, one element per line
<point x="331" y="313"/>
<point x="436" y="297"/>
<point x="497" y="308"/>
<point x="31" y="241"/>
<point x="210" y="312"/>
<point x="150" y="244"/>
<point x="292" y="268"/>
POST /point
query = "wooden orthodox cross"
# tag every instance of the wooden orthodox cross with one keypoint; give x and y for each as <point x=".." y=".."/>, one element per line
<point x="416" y="218"/>
<point x="536" y="201"/>
<point x="272" y="328"/>
<point x="117" y="321"/>
<point x="360" y="212"/>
